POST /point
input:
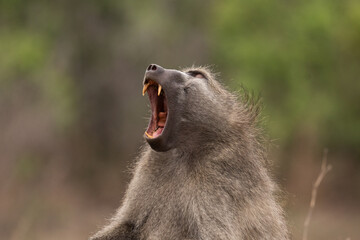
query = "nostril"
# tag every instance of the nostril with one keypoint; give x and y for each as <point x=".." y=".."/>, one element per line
<point x="154" y="68"/>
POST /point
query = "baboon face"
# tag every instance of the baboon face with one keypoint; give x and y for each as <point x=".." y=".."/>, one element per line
<point x="174" y="96"/>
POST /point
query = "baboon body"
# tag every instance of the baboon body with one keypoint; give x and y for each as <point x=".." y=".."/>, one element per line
<point x="207" y="179"/>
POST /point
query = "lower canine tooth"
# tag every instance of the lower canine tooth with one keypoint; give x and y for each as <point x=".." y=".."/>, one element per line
<point x="148" y="135"/>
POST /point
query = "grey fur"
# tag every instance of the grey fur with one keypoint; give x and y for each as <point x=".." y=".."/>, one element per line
<point x="212" y="182"/>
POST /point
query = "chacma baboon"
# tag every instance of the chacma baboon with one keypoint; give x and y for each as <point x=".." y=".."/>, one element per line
<point x="203" y="173"/>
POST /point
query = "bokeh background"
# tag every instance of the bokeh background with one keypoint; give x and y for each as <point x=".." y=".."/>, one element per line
<point x="72" y="115"/>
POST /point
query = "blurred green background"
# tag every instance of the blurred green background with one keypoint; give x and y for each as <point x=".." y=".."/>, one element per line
<point x="72" y="115"/>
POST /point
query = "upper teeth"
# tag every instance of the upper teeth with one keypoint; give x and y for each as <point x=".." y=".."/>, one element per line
<point x="151" y="82"/>
<point x="159" y="90"/>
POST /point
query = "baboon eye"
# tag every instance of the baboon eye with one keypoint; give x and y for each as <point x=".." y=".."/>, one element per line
<point x="196" y="74"/>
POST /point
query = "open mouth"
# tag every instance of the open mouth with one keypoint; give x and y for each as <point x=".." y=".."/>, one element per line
<point x="159" y="110"/>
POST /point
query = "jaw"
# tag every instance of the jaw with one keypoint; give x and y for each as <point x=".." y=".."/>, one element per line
<point x="164" y="88"/>
<point x="159" y="109"/>
<point x="157" y="132"/>
<point x="159" y="144"/>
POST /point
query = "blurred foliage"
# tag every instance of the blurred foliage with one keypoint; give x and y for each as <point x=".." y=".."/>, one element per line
<point x="304" y="57"/>
<point x="72" y="115"/>
<point x="76" y="61"/>
<point x="27" y="46"/>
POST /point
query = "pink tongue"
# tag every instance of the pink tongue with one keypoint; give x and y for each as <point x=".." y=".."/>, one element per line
<point x="157" y="132"/>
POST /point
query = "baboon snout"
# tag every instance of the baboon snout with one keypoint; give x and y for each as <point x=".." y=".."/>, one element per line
<point x="154" y="68"/>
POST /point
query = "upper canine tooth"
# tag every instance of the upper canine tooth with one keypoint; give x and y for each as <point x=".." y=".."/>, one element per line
<point x="159" y="90"/>
<point x="145" y="88"/>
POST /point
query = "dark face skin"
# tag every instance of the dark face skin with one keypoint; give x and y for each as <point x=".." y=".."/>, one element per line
<point x="167" y="104"/>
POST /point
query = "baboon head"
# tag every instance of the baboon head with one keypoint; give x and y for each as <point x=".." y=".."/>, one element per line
<point x="187" y="107"/>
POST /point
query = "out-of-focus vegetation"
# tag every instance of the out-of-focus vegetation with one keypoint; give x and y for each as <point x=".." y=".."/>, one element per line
<point x="304" y="57"/>
<point x="72" y="115"/>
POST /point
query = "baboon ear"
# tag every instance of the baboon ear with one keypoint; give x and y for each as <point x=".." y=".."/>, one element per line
<point x="199" y="75"/>
<point x="196" y="74"/>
